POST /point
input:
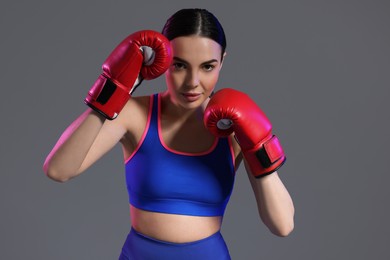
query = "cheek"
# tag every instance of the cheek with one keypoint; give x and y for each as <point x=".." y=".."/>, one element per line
<point x="172" y="79"/>
<point x="211" y="80"/>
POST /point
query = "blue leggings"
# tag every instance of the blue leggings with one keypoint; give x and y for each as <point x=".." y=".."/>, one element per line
<point x="140" y="247"/>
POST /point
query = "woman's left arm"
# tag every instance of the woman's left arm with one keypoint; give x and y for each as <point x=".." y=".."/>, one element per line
<point x="230" y="111"/>
<point x="274" y="203"/>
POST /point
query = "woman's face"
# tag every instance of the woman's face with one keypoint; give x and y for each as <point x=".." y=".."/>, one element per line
<point x="194" y="71"/>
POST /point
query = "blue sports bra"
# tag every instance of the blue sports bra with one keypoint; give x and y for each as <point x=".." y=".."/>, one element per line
<point x="160" y="179"/>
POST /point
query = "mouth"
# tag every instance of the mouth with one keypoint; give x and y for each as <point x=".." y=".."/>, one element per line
<point x="191" y="97"/>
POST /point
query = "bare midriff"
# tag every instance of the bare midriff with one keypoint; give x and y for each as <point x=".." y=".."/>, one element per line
<point x="172" y="227"/>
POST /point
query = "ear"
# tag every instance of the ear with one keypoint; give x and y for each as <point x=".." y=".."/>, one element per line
<point x="222" y="60"/>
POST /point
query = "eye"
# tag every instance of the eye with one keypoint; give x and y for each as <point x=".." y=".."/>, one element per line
<point x="179" y="66"/>
<point x="208" y="67"/>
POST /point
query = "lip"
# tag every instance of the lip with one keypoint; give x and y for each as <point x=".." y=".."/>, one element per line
<point x="191" y="97"/>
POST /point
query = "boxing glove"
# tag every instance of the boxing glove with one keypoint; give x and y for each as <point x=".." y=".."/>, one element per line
<point x="142" y="55"/>
<point x="231" y="111"/>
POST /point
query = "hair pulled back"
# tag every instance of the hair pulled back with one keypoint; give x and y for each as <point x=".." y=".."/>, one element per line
<point x="195" y="21"/>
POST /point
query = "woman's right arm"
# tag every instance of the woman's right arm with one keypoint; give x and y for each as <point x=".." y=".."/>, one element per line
<point x="89" y="137"/>
<point x="141" y="55"/>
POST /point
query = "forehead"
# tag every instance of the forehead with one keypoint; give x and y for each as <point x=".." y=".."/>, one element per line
<point x="195" y="48"/>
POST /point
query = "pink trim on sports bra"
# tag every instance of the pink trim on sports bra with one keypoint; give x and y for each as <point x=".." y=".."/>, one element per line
<point x="232" y="152"/>
<point x="145" y="130"/>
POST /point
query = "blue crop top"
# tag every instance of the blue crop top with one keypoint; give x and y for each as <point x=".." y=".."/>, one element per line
<point x="160" y="179"/>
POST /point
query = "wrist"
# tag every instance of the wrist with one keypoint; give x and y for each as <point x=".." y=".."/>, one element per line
<point x="106" y="97"/>
<point x="265" y="158"/>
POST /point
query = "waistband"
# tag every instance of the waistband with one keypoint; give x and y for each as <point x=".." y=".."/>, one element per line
<point x="216" y="235"/>
<point x="139" y="246"/>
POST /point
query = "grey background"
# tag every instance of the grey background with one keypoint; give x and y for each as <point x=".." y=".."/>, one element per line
<point x="319" y="69"/>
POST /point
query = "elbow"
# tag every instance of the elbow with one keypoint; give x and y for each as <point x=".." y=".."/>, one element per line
<point x="280" y="227"/>
<point x="282" y="230"/>
<point x="57" y="178"/>
<point x="54" y="174"/>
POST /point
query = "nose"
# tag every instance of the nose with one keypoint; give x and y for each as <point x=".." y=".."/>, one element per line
<point x="193" y="79"/>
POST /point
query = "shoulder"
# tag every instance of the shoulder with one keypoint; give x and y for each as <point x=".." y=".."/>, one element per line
<point x="140" y="103"/>
<point x="135" y="112"/>
<point x="137" y="105"/>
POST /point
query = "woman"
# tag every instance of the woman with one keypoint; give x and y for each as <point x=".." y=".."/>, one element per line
<point x="179" y="174"/>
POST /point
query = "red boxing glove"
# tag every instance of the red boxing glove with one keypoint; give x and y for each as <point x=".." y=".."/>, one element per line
<point x="142" y="55"/>
<point x="232" y="111"/>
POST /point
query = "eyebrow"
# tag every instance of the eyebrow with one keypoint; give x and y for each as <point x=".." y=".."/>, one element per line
<point x="184" y="61"/>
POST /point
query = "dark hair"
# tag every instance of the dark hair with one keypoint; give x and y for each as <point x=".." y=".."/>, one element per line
<point x="195" y="21"/>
